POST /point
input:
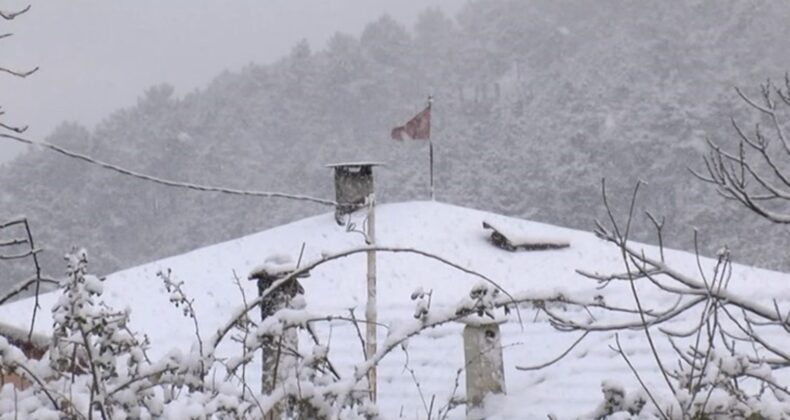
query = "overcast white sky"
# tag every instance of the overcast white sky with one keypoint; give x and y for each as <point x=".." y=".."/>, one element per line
<point x="99" y="55"/>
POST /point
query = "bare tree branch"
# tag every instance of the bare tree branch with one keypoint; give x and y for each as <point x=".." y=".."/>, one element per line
<point x="15" y="129"/>
<point x="558" y="358"/>
<point x="761" y="184"/>
<point x="18" y="73"/>
<point x="619" y="350"/>
<point x="11" y="15"/>
<point x="724" y="320"/>
<point x="24" y="285"/>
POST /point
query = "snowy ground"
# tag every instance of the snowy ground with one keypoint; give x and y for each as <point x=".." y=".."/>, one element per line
<point x="568" y="389"/>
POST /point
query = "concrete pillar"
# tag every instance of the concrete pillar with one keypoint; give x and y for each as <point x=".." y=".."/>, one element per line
<point x="485" y="371"/>
<point x="278" y="360"/>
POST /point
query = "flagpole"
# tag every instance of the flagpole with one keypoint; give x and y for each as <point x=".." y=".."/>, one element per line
<point x="430" y="152"/>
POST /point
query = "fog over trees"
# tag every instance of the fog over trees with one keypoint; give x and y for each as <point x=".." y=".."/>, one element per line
<point x="535" y="102"/>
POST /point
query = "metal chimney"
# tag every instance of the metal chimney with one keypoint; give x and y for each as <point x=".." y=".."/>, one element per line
<point x="353" y="185"/>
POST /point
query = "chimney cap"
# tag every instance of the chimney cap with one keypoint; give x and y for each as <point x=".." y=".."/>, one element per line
<point x="354" y="164"/>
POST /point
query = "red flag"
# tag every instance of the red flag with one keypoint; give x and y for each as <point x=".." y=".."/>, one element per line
<point x="418" y="128"/>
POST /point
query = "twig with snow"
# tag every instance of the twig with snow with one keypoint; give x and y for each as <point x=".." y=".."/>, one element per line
<point x="179" y="298"/>
<point x="22" y="286"/>
<point x="12" y="15"/>
<point x="759" y="186"/>
<point x="624" y="240"/>
<point x="220" y="334"/>
<point x="705" y="381"/>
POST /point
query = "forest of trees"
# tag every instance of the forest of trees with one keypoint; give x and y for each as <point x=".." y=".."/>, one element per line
<point x="535" y="102"/>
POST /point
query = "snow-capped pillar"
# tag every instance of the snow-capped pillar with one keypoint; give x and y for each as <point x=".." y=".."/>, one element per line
<point x="277" y="352"/>
<point x="485" y="372"/>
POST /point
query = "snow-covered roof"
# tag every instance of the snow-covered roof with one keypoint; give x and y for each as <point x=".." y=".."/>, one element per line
<point x="569" y="388"/>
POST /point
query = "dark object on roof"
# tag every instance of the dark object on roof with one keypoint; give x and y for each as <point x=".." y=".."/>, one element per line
<point x="512" y="241"/>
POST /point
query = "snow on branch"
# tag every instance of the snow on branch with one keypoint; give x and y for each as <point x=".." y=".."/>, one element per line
<point x="24" y="285"/>
<point x="723" y="365"/>
<point x="104" y="369"/>
<point x="239" y="314"/>
<point x="6" y="15"/>
<point x="11" y="15"/>
<point x="753" y="174"/>
<point x="482" y="300"/>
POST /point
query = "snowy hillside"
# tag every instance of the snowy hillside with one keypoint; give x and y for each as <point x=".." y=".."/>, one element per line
<point x="569" y="388"/>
